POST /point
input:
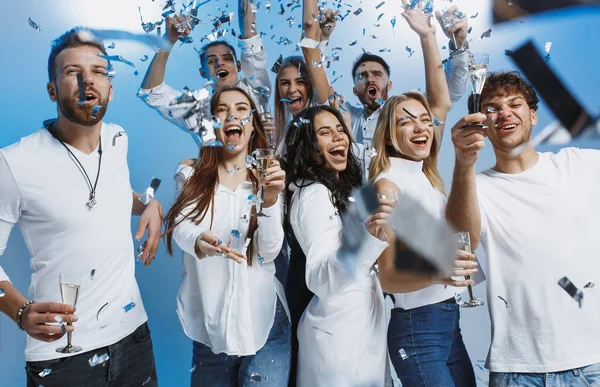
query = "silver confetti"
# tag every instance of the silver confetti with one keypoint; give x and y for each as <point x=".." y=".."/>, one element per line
<point x="95" y="111"/>
<point x="95" y="360"/>
<point x="92" y="274"/>
<point x="117" y="58"/>
<point x="34" y="25"/>
<point x="403" y="354"/>
<point x="589" y="285"/>
<point x="45" y="372"/>
<point x="571" y="289"/>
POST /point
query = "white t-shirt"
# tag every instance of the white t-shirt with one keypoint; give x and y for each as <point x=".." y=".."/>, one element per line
<point x="409" y="178"/>
<point x="225" y="305"/>
<point x="44" y="192"/>
<point x="537" y="227"/>
<point x="342" y="333"/>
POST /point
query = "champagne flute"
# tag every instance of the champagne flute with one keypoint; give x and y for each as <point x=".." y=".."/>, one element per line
<point x="389" y="194"/>
<point x="478" y="68"/>
<point x="263" y="158"/>
<point x="448" y="21"/>
<point x="464" y="243"/>
<point x="70" y="284"/>
<point x="263" y="93"/>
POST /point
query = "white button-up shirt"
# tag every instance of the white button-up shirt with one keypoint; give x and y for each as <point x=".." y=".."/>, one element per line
<point x="342" y="333"/>
<point x="225" y="305"/>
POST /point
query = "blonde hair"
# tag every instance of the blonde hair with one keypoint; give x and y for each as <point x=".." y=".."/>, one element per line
<point x="385" y="140"/>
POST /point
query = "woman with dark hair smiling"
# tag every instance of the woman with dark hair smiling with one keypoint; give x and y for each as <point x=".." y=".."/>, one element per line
<point x="341" y="334"/>
<point x="229" y="302"/>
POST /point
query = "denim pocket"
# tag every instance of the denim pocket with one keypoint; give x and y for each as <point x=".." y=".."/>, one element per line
<point x="590" y="374"/>
<point x="54" y="364"/>
<point x="500" y="379"/>
<point x="142" y="333"/>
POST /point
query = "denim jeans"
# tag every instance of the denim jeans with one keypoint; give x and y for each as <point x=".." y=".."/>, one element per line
<point x="130" y="363"/>
<point x="270" y="367"/>
<point x="584" y="377"/>
<point x="426" y="346"/>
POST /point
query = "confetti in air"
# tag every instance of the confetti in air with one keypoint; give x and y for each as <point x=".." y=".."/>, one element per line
<point x="410" y="51"/>
<point x="34" y="25"/>
<point x="486" y="34"/>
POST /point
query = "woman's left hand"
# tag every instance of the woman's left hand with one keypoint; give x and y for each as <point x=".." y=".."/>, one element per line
<point x="274" y="180"/>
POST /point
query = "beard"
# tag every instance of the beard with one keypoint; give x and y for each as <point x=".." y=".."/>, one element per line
<point x="81" y="114"/>
<point x="373" y="105"/>
<point x="507" y="145"/>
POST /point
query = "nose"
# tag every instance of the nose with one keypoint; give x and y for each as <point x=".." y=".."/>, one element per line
<point x="420" y="126"/>
<point x="337" y="136"/>
<point x="293" y="87"/>
<point x="88" y="78"/>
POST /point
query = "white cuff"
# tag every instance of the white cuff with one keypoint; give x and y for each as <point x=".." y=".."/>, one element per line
<point x="252" y="45"/>
<point x="155" y="90"/>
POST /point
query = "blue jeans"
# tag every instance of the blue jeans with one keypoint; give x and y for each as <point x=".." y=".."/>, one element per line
<point x="426" y="346"/>
<point x="130" y="363"/>
<point x="270" y="367"/>
<point x="584" y="376"/>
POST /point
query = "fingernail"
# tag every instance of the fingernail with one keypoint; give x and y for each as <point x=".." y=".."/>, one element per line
<point x="75" y="318"/>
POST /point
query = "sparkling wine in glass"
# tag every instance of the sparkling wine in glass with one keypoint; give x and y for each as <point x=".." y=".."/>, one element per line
<point x="263" y="158"/>
<point x="70" y="284"/>
<point x="448" y="21"/>
<point x="478" y="69"/>
<point x="464" y="243"/>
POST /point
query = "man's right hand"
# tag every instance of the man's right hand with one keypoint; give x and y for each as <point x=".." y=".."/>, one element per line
<point x="35" y="319"/>
<point x="468" y="140"/>
<point x="175" y="24"/>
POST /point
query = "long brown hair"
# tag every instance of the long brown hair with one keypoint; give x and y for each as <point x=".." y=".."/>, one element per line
<point x="385" y="140"/>
<point x="198" y="192"/>
<point x="283" y="112"/>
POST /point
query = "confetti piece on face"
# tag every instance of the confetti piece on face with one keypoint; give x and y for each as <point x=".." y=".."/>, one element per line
<point x="45" y="372"/>
<point x="285" y="100"/>
<point x="571" y="289"/>
<point x="95" y="110"/>
<point x="96" y="360"/>
<point x="34" y="25"/>
<point x="486" y="34"/>
<point x="117" y="58"/>
<point x="81" y="87"/>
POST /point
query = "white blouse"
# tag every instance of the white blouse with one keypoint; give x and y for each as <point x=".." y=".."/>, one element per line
<point x="225" y="305"/>
<point x="409" y="178"/>
<point x="342" y="333"/>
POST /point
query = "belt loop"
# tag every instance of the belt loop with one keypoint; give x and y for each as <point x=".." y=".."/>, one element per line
<point x="575" y="371"/>
<point x="515" y="376"/>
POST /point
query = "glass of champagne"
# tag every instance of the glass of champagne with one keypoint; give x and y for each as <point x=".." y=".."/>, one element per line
<point x="263" y="158"/>
<point x="389" y="194"/>
<point x="478" y="69"/>
<point x="69" y="291"/>
<point x="464" y="243"/>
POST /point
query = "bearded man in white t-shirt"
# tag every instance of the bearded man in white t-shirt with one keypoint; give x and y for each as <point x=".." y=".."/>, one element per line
<point x="74" y="210"/>
<point x="536" y="215"/>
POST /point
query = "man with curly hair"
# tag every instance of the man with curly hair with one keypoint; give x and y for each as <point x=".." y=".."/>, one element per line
<point x="536" y="217"/>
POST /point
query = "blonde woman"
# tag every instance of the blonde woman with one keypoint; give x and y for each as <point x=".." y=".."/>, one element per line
<point x="424" y="339"/>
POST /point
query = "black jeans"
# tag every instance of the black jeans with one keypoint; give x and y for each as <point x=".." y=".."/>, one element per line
<point x="130" y="363"/>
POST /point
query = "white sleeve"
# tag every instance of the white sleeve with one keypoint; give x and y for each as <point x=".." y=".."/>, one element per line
<point x="254" y="62"/>
<point x="186" y="232"/>
<point x="10" y="207"/>
<point x="325" y="273"/>
<point x="457" y="75"/>
<point x="591" y="157"/>
<point x="270" y="231"/>
<point x="160" y="98"/>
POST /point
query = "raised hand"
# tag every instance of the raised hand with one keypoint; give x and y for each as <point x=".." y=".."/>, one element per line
<point x="468" y="140"/>
<point x="417" y="20"/>
<point x="328" y="23"/>
<point x="176" y="26"/>
<point x="458" y="27"/>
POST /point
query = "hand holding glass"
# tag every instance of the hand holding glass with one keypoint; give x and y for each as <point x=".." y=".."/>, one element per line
<point x="464" y="243"/>
<point x="70" y="284"/>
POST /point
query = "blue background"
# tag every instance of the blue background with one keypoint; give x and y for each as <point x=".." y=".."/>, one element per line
<point x="156" y="146"/>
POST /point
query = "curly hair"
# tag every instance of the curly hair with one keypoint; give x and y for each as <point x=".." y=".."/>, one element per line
<point x="504" y="83"/>
<point x="302" y="167"/>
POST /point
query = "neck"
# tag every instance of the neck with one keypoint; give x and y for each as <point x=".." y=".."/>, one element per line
<point x="82" y="138"/>
<point x="506" y="163"/>
<point x="230" y="161"/>
<point x="370" y="109"/>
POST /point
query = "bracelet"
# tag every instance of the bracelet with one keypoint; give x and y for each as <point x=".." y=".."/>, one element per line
<point x="20" y="313"/>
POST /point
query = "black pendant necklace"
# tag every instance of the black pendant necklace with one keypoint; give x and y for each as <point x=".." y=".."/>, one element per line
<point x="92" y="198"/>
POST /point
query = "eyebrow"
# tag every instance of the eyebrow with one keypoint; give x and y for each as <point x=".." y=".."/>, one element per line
<point x="512" y="99"/>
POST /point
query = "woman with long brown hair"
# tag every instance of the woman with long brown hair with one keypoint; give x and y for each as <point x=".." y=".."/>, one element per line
<point x="229" y="302"/>
<point x="424" y="339"/>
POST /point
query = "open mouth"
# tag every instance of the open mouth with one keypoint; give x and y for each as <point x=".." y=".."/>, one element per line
<point x="339" y="152"/>
<point x="90" y="99"/>
<point x="372" y="92"/>
<point x="297" y="103"/>
<point x="420" y="140"/>
<point x="222" y="74"/>
<point x="233" y="133"/>
<point x="506" y="127"/>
